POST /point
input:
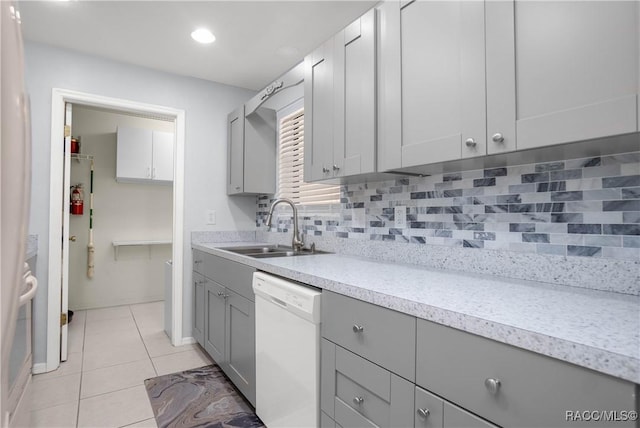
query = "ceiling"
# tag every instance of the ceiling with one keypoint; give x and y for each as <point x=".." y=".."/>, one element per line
<point x="256" y="41"/>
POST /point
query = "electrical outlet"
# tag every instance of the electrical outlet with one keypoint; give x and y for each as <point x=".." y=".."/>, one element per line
<point x="400" y="216"/>
<point x="211" y="217"/>
<point x="358" y="217"/>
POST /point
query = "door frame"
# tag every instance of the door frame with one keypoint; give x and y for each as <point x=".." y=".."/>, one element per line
<point x="59" y="98"/>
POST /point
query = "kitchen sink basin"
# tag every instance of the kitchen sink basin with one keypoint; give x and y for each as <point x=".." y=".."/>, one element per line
<point x="269" y="251"/>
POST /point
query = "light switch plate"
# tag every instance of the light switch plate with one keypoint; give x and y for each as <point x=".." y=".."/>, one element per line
<point x="400" y="216"/>
<point x="211" y="217"/>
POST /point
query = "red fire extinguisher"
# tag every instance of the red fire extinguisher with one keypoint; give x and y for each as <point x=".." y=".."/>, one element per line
<point x="77" y="202"/>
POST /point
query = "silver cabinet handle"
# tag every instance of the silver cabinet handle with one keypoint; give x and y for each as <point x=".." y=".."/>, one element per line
<point x="358" y="401"/>
<point x="219" y="293"/>
<point x="237" y="187"/>
<point x="498" y="138"/>
<point x="358" y="328"/>
<point x="470" y="142"/>
<point x="336" y="168"/>
<point x="423" y="413"/>
<point x="197" y="262"/>
<point x="492" y="385"/>
<point x="325" y="170"/>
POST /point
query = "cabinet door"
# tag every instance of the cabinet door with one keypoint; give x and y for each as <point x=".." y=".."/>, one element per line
<point x="319" y="113"/>
<point x="134" y="146"/>
<point x="441" y="80"/>
<point x="429" y="410"/>
<point x="355" y="98"/>
<point x="235" y="151"/>
<point x="559" y="72"/>
<point x="162" y="155"/>
<point x="199" y="314"/>
<point x="240" y="357"/>
<point x="214" y="334"/>
<point x="455" y="417"/>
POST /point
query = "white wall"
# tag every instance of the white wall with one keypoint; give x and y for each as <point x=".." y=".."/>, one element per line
<point x="122" y="211"/>
<point x="206" y="105"/>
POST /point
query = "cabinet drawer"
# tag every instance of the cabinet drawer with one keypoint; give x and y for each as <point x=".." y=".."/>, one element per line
<point x="235" y="276"/>
<point x="381" y="335"/>
<point x="356" y="392"/>
<point x="534" y="390"/>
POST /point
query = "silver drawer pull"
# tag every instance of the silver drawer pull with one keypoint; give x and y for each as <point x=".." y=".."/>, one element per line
<point x="358" y="400"/>
<point x="492" y="385"/>
<point x="357" y="328"/>
<point x="498" y="138"/>
<point x="470" y="142"/>
<point x="197" y="262"/>
<point x="423" y="413"/>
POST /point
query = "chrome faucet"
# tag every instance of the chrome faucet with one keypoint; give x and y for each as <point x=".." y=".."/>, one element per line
<point x="297" y="241"/>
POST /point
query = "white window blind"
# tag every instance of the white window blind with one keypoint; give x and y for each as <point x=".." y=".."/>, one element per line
<point x="291" y="167"/>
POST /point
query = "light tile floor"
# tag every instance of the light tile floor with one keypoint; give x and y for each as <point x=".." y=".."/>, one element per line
<point x="111" y="352"/>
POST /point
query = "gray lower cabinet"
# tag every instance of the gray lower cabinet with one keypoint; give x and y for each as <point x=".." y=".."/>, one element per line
<point x="458" y="379"/>
<point x="432" y="411"/>
<point x="240" y="339"/>
<point x="199" y="315"/>
<point x="224" y="316"/>
<point x="215" y="331"/>
<point x="358" y="393"/>
<point x="513" y="387"/>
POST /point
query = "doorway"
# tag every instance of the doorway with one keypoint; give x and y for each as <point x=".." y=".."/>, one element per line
<point x="59" y="227"/>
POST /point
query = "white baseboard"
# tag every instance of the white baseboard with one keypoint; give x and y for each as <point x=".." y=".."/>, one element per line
<point x="188" y="340"/>
<point x="39" y="368"/>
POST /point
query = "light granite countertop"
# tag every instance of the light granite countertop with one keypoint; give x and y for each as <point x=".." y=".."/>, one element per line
<point x="593" y="329"/>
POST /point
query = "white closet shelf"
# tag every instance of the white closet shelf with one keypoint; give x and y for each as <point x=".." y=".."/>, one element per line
<point x="138" y="243"/>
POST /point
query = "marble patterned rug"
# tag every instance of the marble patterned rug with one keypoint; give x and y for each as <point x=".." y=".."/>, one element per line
<point x="201" y="397"/>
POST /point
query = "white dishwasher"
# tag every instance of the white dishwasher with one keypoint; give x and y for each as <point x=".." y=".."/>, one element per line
<point x="287" y="352"/>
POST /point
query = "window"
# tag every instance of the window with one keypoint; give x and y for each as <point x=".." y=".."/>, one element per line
<point x="291" y="167"/>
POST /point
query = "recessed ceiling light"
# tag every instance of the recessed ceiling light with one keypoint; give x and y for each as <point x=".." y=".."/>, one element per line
<point x="202" y="35"/>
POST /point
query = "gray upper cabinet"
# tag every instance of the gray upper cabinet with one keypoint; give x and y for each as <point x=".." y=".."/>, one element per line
<point x="251" y="152"/>
<point x="235" y="151"/>
<point x="439" y="70"/>
<point x="459" y="79"/>
<point x="340" y="103"/>
<point x="318" y="109"/>
<point x="559" y="72"/>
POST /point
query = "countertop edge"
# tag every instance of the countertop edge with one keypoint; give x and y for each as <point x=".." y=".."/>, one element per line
<point x="600" y="360"/>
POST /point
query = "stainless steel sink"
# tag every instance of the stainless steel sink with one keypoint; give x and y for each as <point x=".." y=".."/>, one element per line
<point x="269" y="251"/>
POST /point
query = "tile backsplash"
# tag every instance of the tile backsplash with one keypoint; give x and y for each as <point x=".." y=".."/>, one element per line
<point x="586" y="207"/>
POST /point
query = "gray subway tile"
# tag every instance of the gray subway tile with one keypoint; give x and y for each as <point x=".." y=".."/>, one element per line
<point x="522" y="227"/>
<point x="631" y="217"/>
<point x="601" y="194"/>
<point x="554" y="186"/>
<point x="570" y="174"/>
<point x="535" y="178"/>
<point x="592" y="229"/>
<point x="484" y="182"/>
<point x="452" y="176"/>
<point x="522" y="188"/>
<point x="631" y="241"/>
<point x="583" y="251"/>
<point x="508" y="199"/>
<point x="521" y="208"/>
<point x="468" y="243"/>
<point x="552" y="249"/>
<point x="549" y="166"/>
<point x="621" y="253"/>
<point x="621" y="229"/>
<point x="583" y="163"/>
<point x="535" y="237"/>
<point x="484" y="236"/>
<point x="624" y="205"/>
<point x="566" y="218"/>
<point x="495" y="172"/>
<point x="631" y="193"/>
<point x="625" y="181"/>
<point x="603" y="241"/>
<point x="601" y="171"/>
<point x="566" y="196"/>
